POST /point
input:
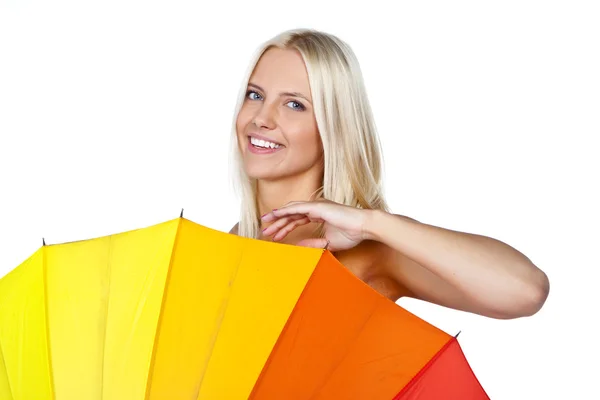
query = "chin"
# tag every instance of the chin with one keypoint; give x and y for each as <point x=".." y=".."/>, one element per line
<point x="261" y="173"/>
<point x="266" y="174"/>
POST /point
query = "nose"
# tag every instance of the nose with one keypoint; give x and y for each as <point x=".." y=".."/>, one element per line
<point x="265" y="116"/>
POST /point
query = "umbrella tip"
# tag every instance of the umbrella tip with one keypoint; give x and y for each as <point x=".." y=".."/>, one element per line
<point x="43" y="242"/>
<point x="181" y="215"/>
<point x="455" y="336"/>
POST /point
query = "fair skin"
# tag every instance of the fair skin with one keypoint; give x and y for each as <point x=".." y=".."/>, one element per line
<point x="396" y="255"/>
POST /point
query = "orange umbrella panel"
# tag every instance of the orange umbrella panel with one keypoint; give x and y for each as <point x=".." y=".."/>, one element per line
<point x="344" y="340"/>
<point x="181" y="311"/>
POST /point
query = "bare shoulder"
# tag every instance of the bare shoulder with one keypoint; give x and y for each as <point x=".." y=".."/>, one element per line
<point x="234" y="230"/>
<point x="367" y="261"/>
<point x="399" y="275"/>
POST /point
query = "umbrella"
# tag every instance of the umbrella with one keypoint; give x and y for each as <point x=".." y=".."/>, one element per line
<point x="181" y="311"/>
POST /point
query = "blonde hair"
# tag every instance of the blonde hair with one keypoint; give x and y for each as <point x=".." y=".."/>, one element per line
<point x="353" y="165"/>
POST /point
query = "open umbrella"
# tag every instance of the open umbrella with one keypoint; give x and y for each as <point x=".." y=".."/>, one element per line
<point x="181" y="311"/>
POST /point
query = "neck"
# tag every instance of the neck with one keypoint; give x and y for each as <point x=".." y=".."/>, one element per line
<point x="276" y="194"/>
<point x="273" y="194"/>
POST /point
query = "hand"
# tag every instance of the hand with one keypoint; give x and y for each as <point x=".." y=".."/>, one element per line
<point x="343" y="225"/>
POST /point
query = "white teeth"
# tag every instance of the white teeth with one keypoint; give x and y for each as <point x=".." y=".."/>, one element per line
<point x="264" y="143"/>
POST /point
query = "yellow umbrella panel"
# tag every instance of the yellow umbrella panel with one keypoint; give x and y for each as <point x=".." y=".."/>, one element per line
<point x="181" y="311"/>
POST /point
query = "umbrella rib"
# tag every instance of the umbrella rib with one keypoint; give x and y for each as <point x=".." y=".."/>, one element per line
<point x="109" y="273"/>
<point x="336" y="368"/>
<point x="47" y="322"/>
<point x="283" y="332"/>
<point x="6" y="369"/>
<point x="424" y="369"/>
<point x="150" y="375"/>
<point x="220" y="324"/>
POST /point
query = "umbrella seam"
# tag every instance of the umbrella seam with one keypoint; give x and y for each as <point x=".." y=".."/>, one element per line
<point x="284" y="330"/>
<point x="47" y="322"/>
<point x="6" y="369"/>
<point x="471" y="370"/>
<point x="222" y="316"/>
<point x="349" y="349"/>
<point x="424" y="369"/>
<point x="109" y="273"/>
<point x="161" y="312"/>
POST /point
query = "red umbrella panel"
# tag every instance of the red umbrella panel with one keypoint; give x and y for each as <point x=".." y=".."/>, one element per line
<point x="181" y="311"/>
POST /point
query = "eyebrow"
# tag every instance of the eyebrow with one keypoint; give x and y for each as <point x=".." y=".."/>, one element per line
<point x="293" y="94"/>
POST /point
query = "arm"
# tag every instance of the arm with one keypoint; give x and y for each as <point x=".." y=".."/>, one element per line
<point x="459" y="270"/>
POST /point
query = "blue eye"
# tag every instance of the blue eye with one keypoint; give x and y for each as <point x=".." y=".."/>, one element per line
<point x="297" y="106"/>
<point x="249" y="94"/>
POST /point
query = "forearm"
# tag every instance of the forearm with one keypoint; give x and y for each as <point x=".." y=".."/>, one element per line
<point x="482" y="268"/>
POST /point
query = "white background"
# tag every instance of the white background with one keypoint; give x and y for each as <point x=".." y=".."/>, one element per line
<point x="114" y="115"/>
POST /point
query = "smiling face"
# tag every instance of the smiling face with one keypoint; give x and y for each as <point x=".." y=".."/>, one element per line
<point x="276" y="127"/>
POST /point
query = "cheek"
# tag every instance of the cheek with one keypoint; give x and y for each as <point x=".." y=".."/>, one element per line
<point x="304" y="134"/>
<point x="307" y="144"/>
<point x="242" y="122"/>
<point x="312" y="140"/>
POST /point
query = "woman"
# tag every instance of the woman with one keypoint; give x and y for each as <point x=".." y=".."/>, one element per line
<point x="309" y="167"/>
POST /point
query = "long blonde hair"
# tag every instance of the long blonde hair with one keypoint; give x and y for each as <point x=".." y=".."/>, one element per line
<point x="353" y="166"/>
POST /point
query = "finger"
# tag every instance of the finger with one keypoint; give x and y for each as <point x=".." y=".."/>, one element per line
<point x="289" y="228"/>
<point x="280" y="223"/>
<point x="283" y="232"/>
<point x="270" y="216"/>
<point x="298" y="216"/>
<point x="311" y="209"/>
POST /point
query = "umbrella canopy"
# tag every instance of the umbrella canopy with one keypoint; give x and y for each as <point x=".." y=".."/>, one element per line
<point x="181" y="311"/>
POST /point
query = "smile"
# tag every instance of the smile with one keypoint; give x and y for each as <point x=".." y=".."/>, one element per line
<point x="262" y="146"/>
